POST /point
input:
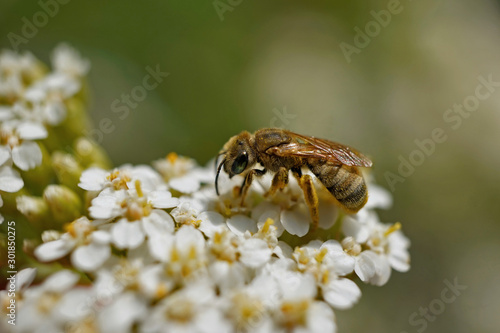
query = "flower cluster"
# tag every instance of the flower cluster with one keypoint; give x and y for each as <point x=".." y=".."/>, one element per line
<point x="154" y="249"/>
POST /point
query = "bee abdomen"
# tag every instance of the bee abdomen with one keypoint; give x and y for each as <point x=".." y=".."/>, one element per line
<point x="345" y="183"/>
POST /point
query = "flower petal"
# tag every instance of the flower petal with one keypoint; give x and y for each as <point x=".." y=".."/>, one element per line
<point x="365" y="265"/>
<point x="254" y="252"/>
<point x="24" y="278"/>
<point x="296" y="221"/>
<point x="122" y="313"/>
<point x="160" y="246"/>
<point x="239" y="224"/>
<point x="185" y="184"/>
<point x="53" y="250"/>
<point x="10" y="181"/>
<point x="358" y="230"/>
<point x="321" y="318"/>
<point x="61" y="281"/>
<point x="158" y="222"/>
<point x="211" y="222"/>
<point x="93" y="179"/>
<point x="341" y="293"/>
<point x="4" y="154"/>
<point x="379" y="197"/>
<point x="127" y="235"/>
<point x="27" y="156"/>
<point x="383" y="271"/>
<point x="341" y="262"/>
<point x="162" y="199"/>
<point x="328" y="213"/>
<point x="32" y="131"/>
<point x="90" y="257"/>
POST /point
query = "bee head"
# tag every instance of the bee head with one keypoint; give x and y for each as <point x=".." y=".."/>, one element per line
<point x="239" y="156"/>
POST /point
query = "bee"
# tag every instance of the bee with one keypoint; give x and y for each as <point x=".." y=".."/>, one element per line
<point x="281" y="151"/>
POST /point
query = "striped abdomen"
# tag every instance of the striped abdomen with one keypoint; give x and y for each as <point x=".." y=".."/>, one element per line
<point x="345" y="183"/>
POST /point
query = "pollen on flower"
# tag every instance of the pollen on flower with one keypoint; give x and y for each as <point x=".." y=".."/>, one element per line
<point x="79" y="228"/>
<point x="224" y="246"/>
<point x="119" y="179"/>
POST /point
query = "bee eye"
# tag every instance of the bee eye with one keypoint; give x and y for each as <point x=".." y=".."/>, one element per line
<point x="240" y="163"/>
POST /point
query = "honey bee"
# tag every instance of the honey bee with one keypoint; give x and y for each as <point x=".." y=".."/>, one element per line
<point x="279" y="151"/>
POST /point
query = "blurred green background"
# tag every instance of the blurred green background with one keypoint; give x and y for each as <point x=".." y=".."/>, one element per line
<point x="249" y="65"/>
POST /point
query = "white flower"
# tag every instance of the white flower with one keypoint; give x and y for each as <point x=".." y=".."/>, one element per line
<point x="184" y="253"/>
<point x="16" y="143"/>
<point x="122" y="178"/>
<point x="127" y="309"/>
<point x="327" y="262"/>
<point x="388" y="247"/>
<point x="365" y="262"/>
<point x="182" y="174"/>
<point x="378" y="197"/>
<point x="298" y="309"/>
<point x="192" y="309"/>
<point x="45" y="307"/>
<point x="90" y="248"/>
<point x="12" y="63"/>
<point x="250" y="308"/>
<point x="391" y="247"/>
<point x="67" y="60"/>
<point x="138" y="211"/>
<point x="174" y="166"/>
<point x="184" y="213"/>
<point x="117" y="276"/>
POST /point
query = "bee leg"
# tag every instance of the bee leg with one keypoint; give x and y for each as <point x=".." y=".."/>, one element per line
<point x="248" y="181"/>
<point x="310" y="195"/>
<point x="280" y="180"/>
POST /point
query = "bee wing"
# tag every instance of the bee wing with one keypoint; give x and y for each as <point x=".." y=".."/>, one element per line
<point x="305" y="146"/>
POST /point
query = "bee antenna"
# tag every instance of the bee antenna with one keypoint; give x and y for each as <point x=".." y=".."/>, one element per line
<point x="217" y="176"/>
<point x="217" y="158"/>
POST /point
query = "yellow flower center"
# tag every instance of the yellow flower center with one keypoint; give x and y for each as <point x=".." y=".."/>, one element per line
<point x="79" y="230"/>
<point x="9" y="138"/>
<point x="246" y="310"/>
<point x="294" y="313"/>
<point x="119" y="179"/>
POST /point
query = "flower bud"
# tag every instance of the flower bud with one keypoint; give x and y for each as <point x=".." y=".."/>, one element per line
<point x="35" y="209"/>
<point x="64" y="204"/>
<point x="76" y="122"/>
<point x="90" y="154"/>
<point x="67" y="169"/>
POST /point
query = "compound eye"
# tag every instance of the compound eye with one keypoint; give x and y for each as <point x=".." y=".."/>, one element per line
<point x="240" y="163"/>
